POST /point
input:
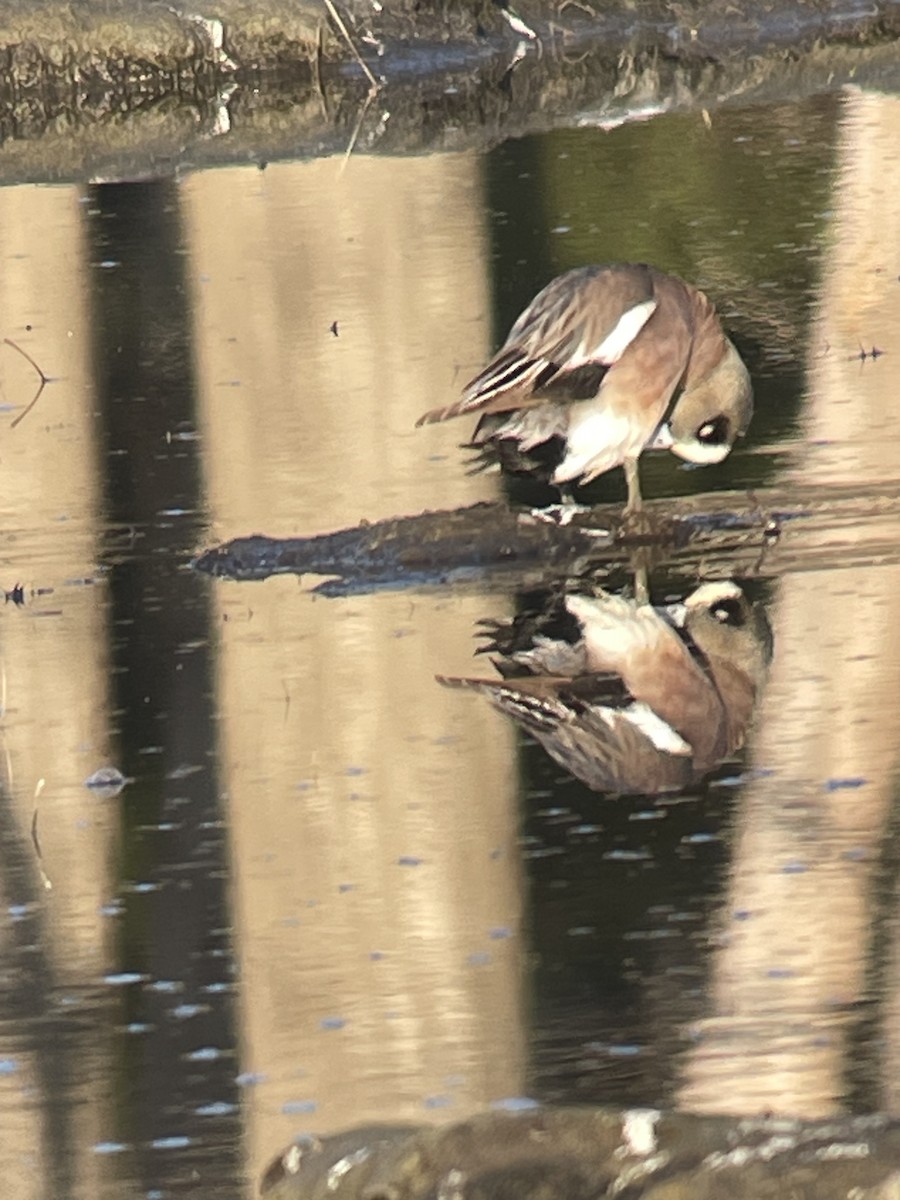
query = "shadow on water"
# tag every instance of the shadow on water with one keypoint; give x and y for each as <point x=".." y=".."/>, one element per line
<point x="173" y="927"/>
<point x="331" y="891"/>
<point x="620" y="899"/>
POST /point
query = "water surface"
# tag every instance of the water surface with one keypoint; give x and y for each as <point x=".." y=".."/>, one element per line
<point x="332" y="891"/>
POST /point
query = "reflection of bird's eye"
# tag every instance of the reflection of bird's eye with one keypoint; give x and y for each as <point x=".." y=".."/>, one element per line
<point x="715" y="432"/>
<point x="728" y="612"/>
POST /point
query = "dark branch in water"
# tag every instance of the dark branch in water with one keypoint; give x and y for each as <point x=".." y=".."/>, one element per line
<point x="45" y="878"/>
<point x="44" y="380"/>
<point x="485" y="543"/>
<point x="875" y="353"/>
<point x="716" y="536"/>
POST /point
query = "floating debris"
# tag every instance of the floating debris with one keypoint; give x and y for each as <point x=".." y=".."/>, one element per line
<point x="106" y="781"/>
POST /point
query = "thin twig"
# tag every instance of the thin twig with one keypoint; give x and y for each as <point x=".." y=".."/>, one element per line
<point x="370" y="96"/>
<point x="336" y="17"/>
<point x="317" y="70"/>
<point x="43" y="378"/>
<point x="34" y="837"/>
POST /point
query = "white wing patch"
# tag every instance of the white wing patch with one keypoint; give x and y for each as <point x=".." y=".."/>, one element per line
<point x="628" y="326"/>
<point x="662" y="736"/>
<point x="614" y="345"/>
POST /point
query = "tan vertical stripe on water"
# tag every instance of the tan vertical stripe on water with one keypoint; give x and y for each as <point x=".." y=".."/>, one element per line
<point x="371" y="814"/>
<point x="798" y="915"/>
<point x="54" y="667"/>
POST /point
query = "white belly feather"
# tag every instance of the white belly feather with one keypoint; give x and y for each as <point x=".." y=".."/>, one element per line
<point x="597" y="440"/>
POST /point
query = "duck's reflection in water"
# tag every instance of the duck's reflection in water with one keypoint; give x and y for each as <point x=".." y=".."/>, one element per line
<point x="627" y="697"/>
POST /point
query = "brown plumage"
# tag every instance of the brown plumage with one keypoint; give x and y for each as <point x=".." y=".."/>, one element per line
<point x="644" y="700"/>
<point x="609" y="361"/>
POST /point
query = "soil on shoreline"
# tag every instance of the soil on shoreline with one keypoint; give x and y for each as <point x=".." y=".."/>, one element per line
<point x="137" y="89"/>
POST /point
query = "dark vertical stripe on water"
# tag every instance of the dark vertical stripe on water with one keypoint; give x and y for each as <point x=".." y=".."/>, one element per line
<point x="178" y="934"/>
<point x="622" y="890"/>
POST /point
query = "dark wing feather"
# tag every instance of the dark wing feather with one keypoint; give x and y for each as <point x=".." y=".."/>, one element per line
<point x="547" y="700"/>
<point x="576" y="310"/>
<point x="563" y="716"/>
<point x="622" y="760"/>
<point x="534" y="701"/>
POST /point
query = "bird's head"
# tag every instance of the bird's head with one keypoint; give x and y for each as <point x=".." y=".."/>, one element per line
<point x="711" y="413"/>
<point x="724" y="624"/>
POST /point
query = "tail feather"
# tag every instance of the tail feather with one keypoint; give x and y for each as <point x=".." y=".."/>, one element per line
<point x="434" y="415"/>
<point x="541" y="713"/>
<point x="489" y="450"/>
<point x="510" y="370"/>
<point x="509" y="382"/>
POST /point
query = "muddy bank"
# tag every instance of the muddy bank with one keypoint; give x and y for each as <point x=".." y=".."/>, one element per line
<point x="139" y="89"/>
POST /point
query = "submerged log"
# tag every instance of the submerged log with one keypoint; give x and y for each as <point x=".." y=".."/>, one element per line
<point x="430" y="547"/>
<point x="713" y="536"/>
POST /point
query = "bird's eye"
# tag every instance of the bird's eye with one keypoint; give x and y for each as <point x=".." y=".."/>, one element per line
<point x="729" y="612"/>
<point x="715" y="432"/>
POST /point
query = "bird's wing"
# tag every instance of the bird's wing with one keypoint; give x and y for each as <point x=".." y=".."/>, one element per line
<point x="657" y="668"/>
<point x="609" y="753"/>
<point x="586" y="318"/>
<point x="545" y="701"/>
<point x="534" y="700"/>
<point x="738" y="692"/>
<point x="600" y="745"/>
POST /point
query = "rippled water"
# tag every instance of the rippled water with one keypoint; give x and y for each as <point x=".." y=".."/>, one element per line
<point x="331" y="891"/>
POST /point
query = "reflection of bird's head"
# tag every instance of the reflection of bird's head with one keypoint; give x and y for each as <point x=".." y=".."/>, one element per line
<point x="723" y="624"/>
<point x="712" y="412"/>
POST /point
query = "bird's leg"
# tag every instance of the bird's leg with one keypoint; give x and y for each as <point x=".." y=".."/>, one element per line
<point x="633" y="480"/>
<point x="637" y="523"/>
<point x="641" y="579"/>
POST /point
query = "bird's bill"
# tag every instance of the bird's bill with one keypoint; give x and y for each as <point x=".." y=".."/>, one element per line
<point x="677" y="614"/>
<point x="661" y="440"/>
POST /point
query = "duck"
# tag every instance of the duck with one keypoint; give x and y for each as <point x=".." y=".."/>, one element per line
<point x="631" y="698"/>
<point x="606" y="362"/>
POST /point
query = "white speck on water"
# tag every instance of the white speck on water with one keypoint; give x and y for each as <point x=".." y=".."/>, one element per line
<point x="183" y="1012"/>
<point x="204" y="1054"/>
<point x="515" y="1104"/>
<point x="218" y="1108"/>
